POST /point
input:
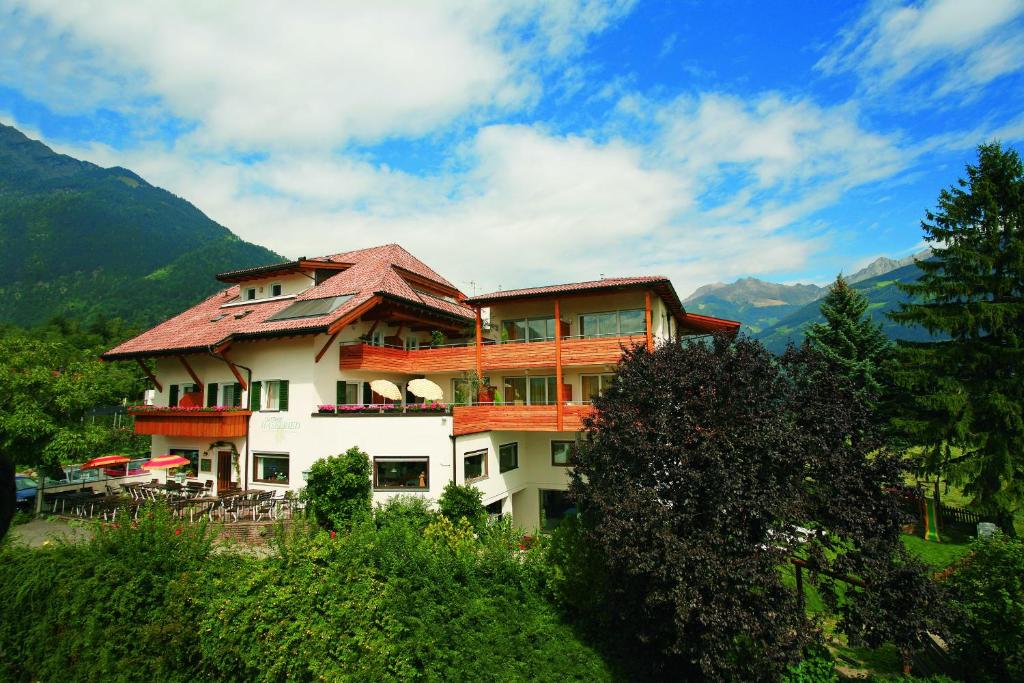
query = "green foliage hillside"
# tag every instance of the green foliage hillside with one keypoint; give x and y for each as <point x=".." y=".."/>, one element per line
<point x="755" y="303"/>
<point x="883" y="296"/>
<point x="82" y="241"/>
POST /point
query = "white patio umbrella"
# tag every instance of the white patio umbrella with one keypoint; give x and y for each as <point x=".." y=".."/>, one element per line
<point x="426" y="390"/>
<point x="386" y="389"/>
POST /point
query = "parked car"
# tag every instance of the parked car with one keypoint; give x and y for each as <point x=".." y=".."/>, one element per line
<point x="25" y="489"/>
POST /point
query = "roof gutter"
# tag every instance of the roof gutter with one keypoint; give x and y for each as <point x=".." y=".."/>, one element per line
<point x="248" y="418"/>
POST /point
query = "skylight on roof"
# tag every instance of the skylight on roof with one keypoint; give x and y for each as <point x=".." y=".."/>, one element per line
<point x="311" y="308"/>
<point x="218" y="317"/>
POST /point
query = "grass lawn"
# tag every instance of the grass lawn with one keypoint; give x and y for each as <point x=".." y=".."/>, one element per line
<point x="937" y="555"/>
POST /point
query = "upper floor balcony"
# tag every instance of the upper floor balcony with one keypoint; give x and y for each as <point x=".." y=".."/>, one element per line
<point x="199" y="422"/>
<point x="519" y="418"/>
<point x="575" y="351"/>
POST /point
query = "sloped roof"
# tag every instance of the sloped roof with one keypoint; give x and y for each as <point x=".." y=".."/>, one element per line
<point x="660" y="284"/>
<point x="373" y="272"/>
<point x="570" y="287"/>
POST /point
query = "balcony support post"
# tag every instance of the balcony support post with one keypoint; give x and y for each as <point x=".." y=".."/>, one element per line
<point x="327" y="345"/>
<point x="192" y="373"/>
<point x="234" y="371"/>
<point x="559" y="398"/>
<point x="150" y="375"/>
<point x="647" y="314"/>
<point x="479" y="347"/>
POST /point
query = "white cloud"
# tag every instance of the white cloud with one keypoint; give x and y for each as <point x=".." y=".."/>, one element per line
<point x="972" y="43"/>
<point x="264" y="75"/>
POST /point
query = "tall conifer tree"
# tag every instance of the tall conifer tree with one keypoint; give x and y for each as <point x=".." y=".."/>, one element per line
<point x="967" y="392"/>
<point x="855" y="346"/>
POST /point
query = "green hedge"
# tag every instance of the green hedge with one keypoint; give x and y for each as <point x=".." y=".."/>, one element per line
<point x="390" y="601"/>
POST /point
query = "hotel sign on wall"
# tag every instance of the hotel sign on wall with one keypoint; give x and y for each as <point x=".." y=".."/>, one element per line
<point x="279" y="424"/>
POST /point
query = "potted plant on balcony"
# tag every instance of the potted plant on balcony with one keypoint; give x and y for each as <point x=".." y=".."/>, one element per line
<point x="437" y="338"/>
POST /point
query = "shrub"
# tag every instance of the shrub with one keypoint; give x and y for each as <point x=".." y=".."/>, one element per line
<point x="109" y="609"/>
<point x="414" y="511"/>
<point x="465" y="501"/>
<point x="816" y="667"/>
<point x="339" y="492"/>
<point x="988" y="598"/>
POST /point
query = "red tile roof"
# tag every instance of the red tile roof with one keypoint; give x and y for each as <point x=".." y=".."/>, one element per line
<point x="373" y="272"/>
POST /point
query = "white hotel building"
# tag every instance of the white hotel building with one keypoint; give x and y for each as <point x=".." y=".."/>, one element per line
<point x="260" y="380"/>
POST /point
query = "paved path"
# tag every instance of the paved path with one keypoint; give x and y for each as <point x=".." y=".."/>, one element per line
<point x="39" y="531"/>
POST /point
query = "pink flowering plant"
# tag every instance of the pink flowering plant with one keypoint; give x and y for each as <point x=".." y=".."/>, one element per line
<point x="183" y="409"/>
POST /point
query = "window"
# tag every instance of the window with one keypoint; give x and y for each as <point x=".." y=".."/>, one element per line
<point x="270" y="468"/>
<point x="613" y="323"/>
<point x="192" y="468"/>
<point x="277" y="395"/>
<point x="596" y="385"/>
<point x="555" y="506"/>
<point x="401" y="473"/>
<point x="231" y="395"/>
<point x="462" y="391"/>
<point x="377" y="338"/>
<point x="269" y="395"/>
<point x="508" y="457"/>
<point x="250" y="293"/>
<point x="474" y="466"/>
<point x="561" y="453"/>
<point x="205" y="465"/>
<point x="529" y="391"/>
<point x="412" y="344"/>
<point x="176" y="392"/>
<point x="347" y="394"/>
<point x="275" y="289"/>
<point x="528" y="329"/>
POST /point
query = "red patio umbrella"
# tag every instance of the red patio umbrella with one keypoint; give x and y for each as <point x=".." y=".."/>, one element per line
<point x="165" y="462"/>
<point x="105" y="460"/>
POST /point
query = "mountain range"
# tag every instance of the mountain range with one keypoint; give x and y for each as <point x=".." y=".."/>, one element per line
<point x="778" y="313"/>
<point x="79" y="240"/>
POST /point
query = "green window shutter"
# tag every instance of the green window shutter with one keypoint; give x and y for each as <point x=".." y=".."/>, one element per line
<point x="339" y="394"/>
<point x="255" y="388"/>
<point x="282" y="403"/>
<point x="173" y="399"/>
<point x="211" y="394"/>
<point x="236" y="395"/>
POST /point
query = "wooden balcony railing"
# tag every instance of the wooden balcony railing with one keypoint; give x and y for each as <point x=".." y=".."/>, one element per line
<point x="515" y="418"/>
<point x="576" y="351"/>
<point x="201" y="423"/>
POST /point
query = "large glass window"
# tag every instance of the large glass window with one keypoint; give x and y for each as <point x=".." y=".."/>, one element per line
<point x="536" y="391"/>
<point x="192" y="468"/>
<point x="528" y="329"/>
<point x="555" y="506"/>
<point x="347" y="393"/>
<point x="270" y="468"/>
<point x="474" y="465"/>
<point x="561" y="453"/>
<point x="596" y="385"/>
<point x="508" y="457"/>
<point x="401" y="473"/>
<point x="613" y="323"/>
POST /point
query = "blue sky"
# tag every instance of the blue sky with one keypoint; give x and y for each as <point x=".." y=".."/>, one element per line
<point x="524" y="142"/>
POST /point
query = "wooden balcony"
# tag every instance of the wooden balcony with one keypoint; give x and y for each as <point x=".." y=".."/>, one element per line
<point x="201" y="423"/>
<point x="575" y="352"/>
<point x="514" y="418"/>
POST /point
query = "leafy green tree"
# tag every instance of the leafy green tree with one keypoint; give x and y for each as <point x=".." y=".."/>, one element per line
<point x="49" y="380"/>
<point x="987" y="592"/>
<point x="854" y="345"/>
<point x="700" y="469"/>
<point x="965" y="396"/>
<point x="338" y="491"/>
<point x="463" y="502"/>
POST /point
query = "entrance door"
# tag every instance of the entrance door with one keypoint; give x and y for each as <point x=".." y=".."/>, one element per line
<point x="223" y="471"/>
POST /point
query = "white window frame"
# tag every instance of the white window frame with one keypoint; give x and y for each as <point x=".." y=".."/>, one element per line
<point x="401" y="458"/>
<point x="618" y="324"/>
<point x="280" y="288"/>
<point x="600" y="383"/>
<point x="248" y="291"/>
<point x="265" y="402"/>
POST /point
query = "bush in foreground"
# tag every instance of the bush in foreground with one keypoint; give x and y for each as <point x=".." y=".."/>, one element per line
<point x="390" y="600"/>
<point x="338" y="491"/>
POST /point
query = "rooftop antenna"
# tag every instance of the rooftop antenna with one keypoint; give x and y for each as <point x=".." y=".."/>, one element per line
<point x="602" y="276"/>
<point x="472" y="285"/>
